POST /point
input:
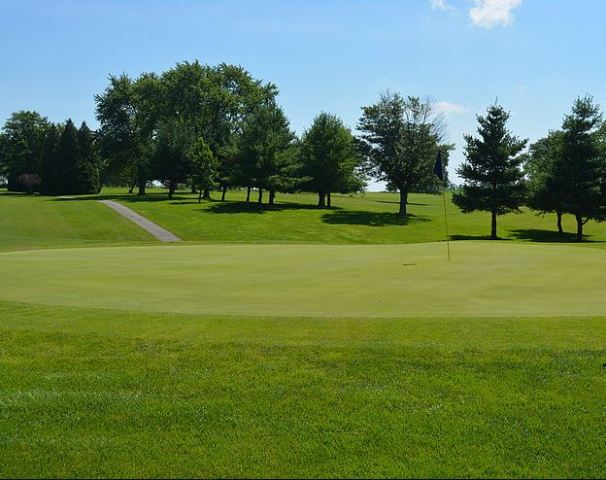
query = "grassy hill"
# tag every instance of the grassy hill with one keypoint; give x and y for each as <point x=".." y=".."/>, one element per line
<point x="274" y="358"/>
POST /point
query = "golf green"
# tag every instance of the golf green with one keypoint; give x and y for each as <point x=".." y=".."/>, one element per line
<point x="483" y="279"/>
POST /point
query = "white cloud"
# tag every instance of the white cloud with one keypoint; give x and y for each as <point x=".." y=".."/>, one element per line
<point x="441" y="5"/>
<point x="492" y="13"/>
<point x="448" y="108"/>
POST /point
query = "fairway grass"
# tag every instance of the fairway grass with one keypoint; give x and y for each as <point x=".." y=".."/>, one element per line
<point x="91" y="392"/>
<point x="483" y="279"/>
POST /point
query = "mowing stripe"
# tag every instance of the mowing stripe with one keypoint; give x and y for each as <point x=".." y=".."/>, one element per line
<point x="156" y="230"/>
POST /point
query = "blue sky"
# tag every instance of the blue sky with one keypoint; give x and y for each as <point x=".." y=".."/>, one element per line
<point x="536" y="56"/>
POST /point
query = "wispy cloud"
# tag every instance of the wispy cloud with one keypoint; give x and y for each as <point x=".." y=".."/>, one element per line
<point x="493" y="13"/>
<point x="441" y="5"/>
<point x="448" y="108"/>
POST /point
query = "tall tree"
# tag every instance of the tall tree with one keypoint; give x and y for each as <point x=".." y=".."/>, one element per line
<point x="128" y="111"/>
<point x="49" y="172"/>
<point x="543" y="195"/>
<point x="23" y="135"/>
<point x="578" y="173"/>
<point x="400" y="138"/>
<point x="68" y="159"/>
<point x="267" y="152"/>
<point x="494" y="180"/>
<point x="329" y="158"/>
<point x="87" y="170"/>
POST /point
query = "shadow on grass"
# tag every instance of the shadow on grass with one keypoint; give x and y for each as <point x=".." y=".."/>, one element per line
<point x="548" y="236"/>
<point x="477" y="237"/>
<point x="228" y="207"/>
<point x="397" y="202"/>
<point x="372" y="219"/>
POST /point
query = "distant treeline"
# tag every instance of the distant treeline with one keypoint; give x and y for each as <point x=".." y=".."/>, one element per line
<point x="213" y="127"/>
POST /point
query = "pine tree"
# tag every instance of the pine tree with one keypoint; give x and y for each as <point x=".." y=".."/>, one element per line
<point x="87" y="169"/>
<point x="494" y="181"/>
<point x="68" y="157"/>
<point x="579" y="171"/>
<point x="49" y="160"/>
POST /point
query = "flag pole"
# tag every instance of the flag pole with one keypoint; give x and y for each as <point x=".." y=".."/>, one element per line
<point x="446" y="224"/>
<point x="438" y="170"/>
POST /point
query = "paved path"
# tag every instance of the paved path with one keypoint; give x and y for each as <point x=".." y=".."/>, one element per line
<point x="156" y="230"/>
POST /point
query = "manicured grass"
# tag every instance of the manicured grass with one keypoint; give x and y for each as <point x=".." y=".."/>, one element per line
<point x="484" y="278"/>
<point x="88" y="392"/>
<point x="289" y="360"/>
<point x="34" y="221"/>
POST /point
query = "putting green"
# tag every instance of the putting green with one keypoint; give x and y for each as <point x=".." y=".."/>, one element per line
<point x="483" y="279"/>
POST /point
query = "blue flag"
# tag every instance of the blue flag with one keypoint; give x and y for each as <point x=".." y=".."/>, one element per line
<point x="438" y="168"/>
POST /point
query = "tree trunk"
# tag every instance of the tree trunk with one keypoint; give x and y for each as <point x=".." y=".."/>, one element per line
<point x="493" y="227"/>
<point x="403" y="203"/>
<point x="560" y="229"/>
<point x="193" y="188"/>
<point x="328" y="200"/>
<point x="260" y="201"/>
<point x="171" y="189"/>
<point x="272" y="196"/>
<point x="206" y="195"/>
<point x="321" y="199"/>
<point x="223" y="192"/>
<point x="141" y="181"/>
<point x="247" y="194"/>
<point x="579" y="228"/>
<point x="200" y="195"/>
<point x="131" y="187"/>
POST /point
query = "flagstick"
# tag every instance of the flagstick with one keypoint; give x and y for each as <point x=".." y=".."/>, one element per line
<point x="446" y="224"/>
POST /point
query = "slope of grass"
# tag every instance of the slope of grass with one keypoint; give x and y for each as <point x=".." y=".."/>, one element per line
<point x="89" y="393"/>
<point x="368" y="218"/>
<point x="33" y="221"/>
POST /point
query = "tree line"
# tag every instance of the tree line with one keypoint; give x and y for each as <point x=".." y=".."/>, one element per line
<point x="217" y="127"/>
<point x="562" y="173"/>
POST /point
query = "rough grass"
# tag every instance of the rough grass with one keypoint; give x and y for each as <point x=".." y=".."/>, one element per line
<point x="34" y="222"/>
<point x="368" y="219"/>
<point x="88" y="392"/>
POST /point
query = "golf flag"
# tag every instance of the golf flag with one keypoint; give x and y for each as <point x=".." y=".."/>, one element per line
<point x="438" y="168"/>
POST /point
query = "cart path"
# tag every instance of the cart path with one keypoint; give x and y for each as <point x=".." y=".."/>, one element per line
<point x="156" y="230"/>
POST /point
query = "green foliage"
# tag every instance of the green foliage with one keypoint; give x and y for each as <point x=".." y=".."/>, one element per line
<point x="577" y="174"/>
<point x="494" y="180"/>
<point x="127" y="111"/>
<point x="400" y="139"/>
<point x="50" y="162"/>
<point x="204" y="167"/>
<point x="267" y="152"/>
<point x="22" y="143"/>
<point x="69" y="157"/>
<point x="172" y="153"/>
<point x="329" y="158"/>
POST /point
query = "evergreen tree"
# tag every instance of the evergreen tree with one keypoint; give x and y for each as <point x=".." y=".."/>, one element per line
<point x="542" y="193"/>
<point x="87" y="176"/>
<point x="578" y="173"/>
<point x="68" y="158"/>
<point x="329" y="159"/>
<point x="494" y="180"/>
<point x="49" y="160"/>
